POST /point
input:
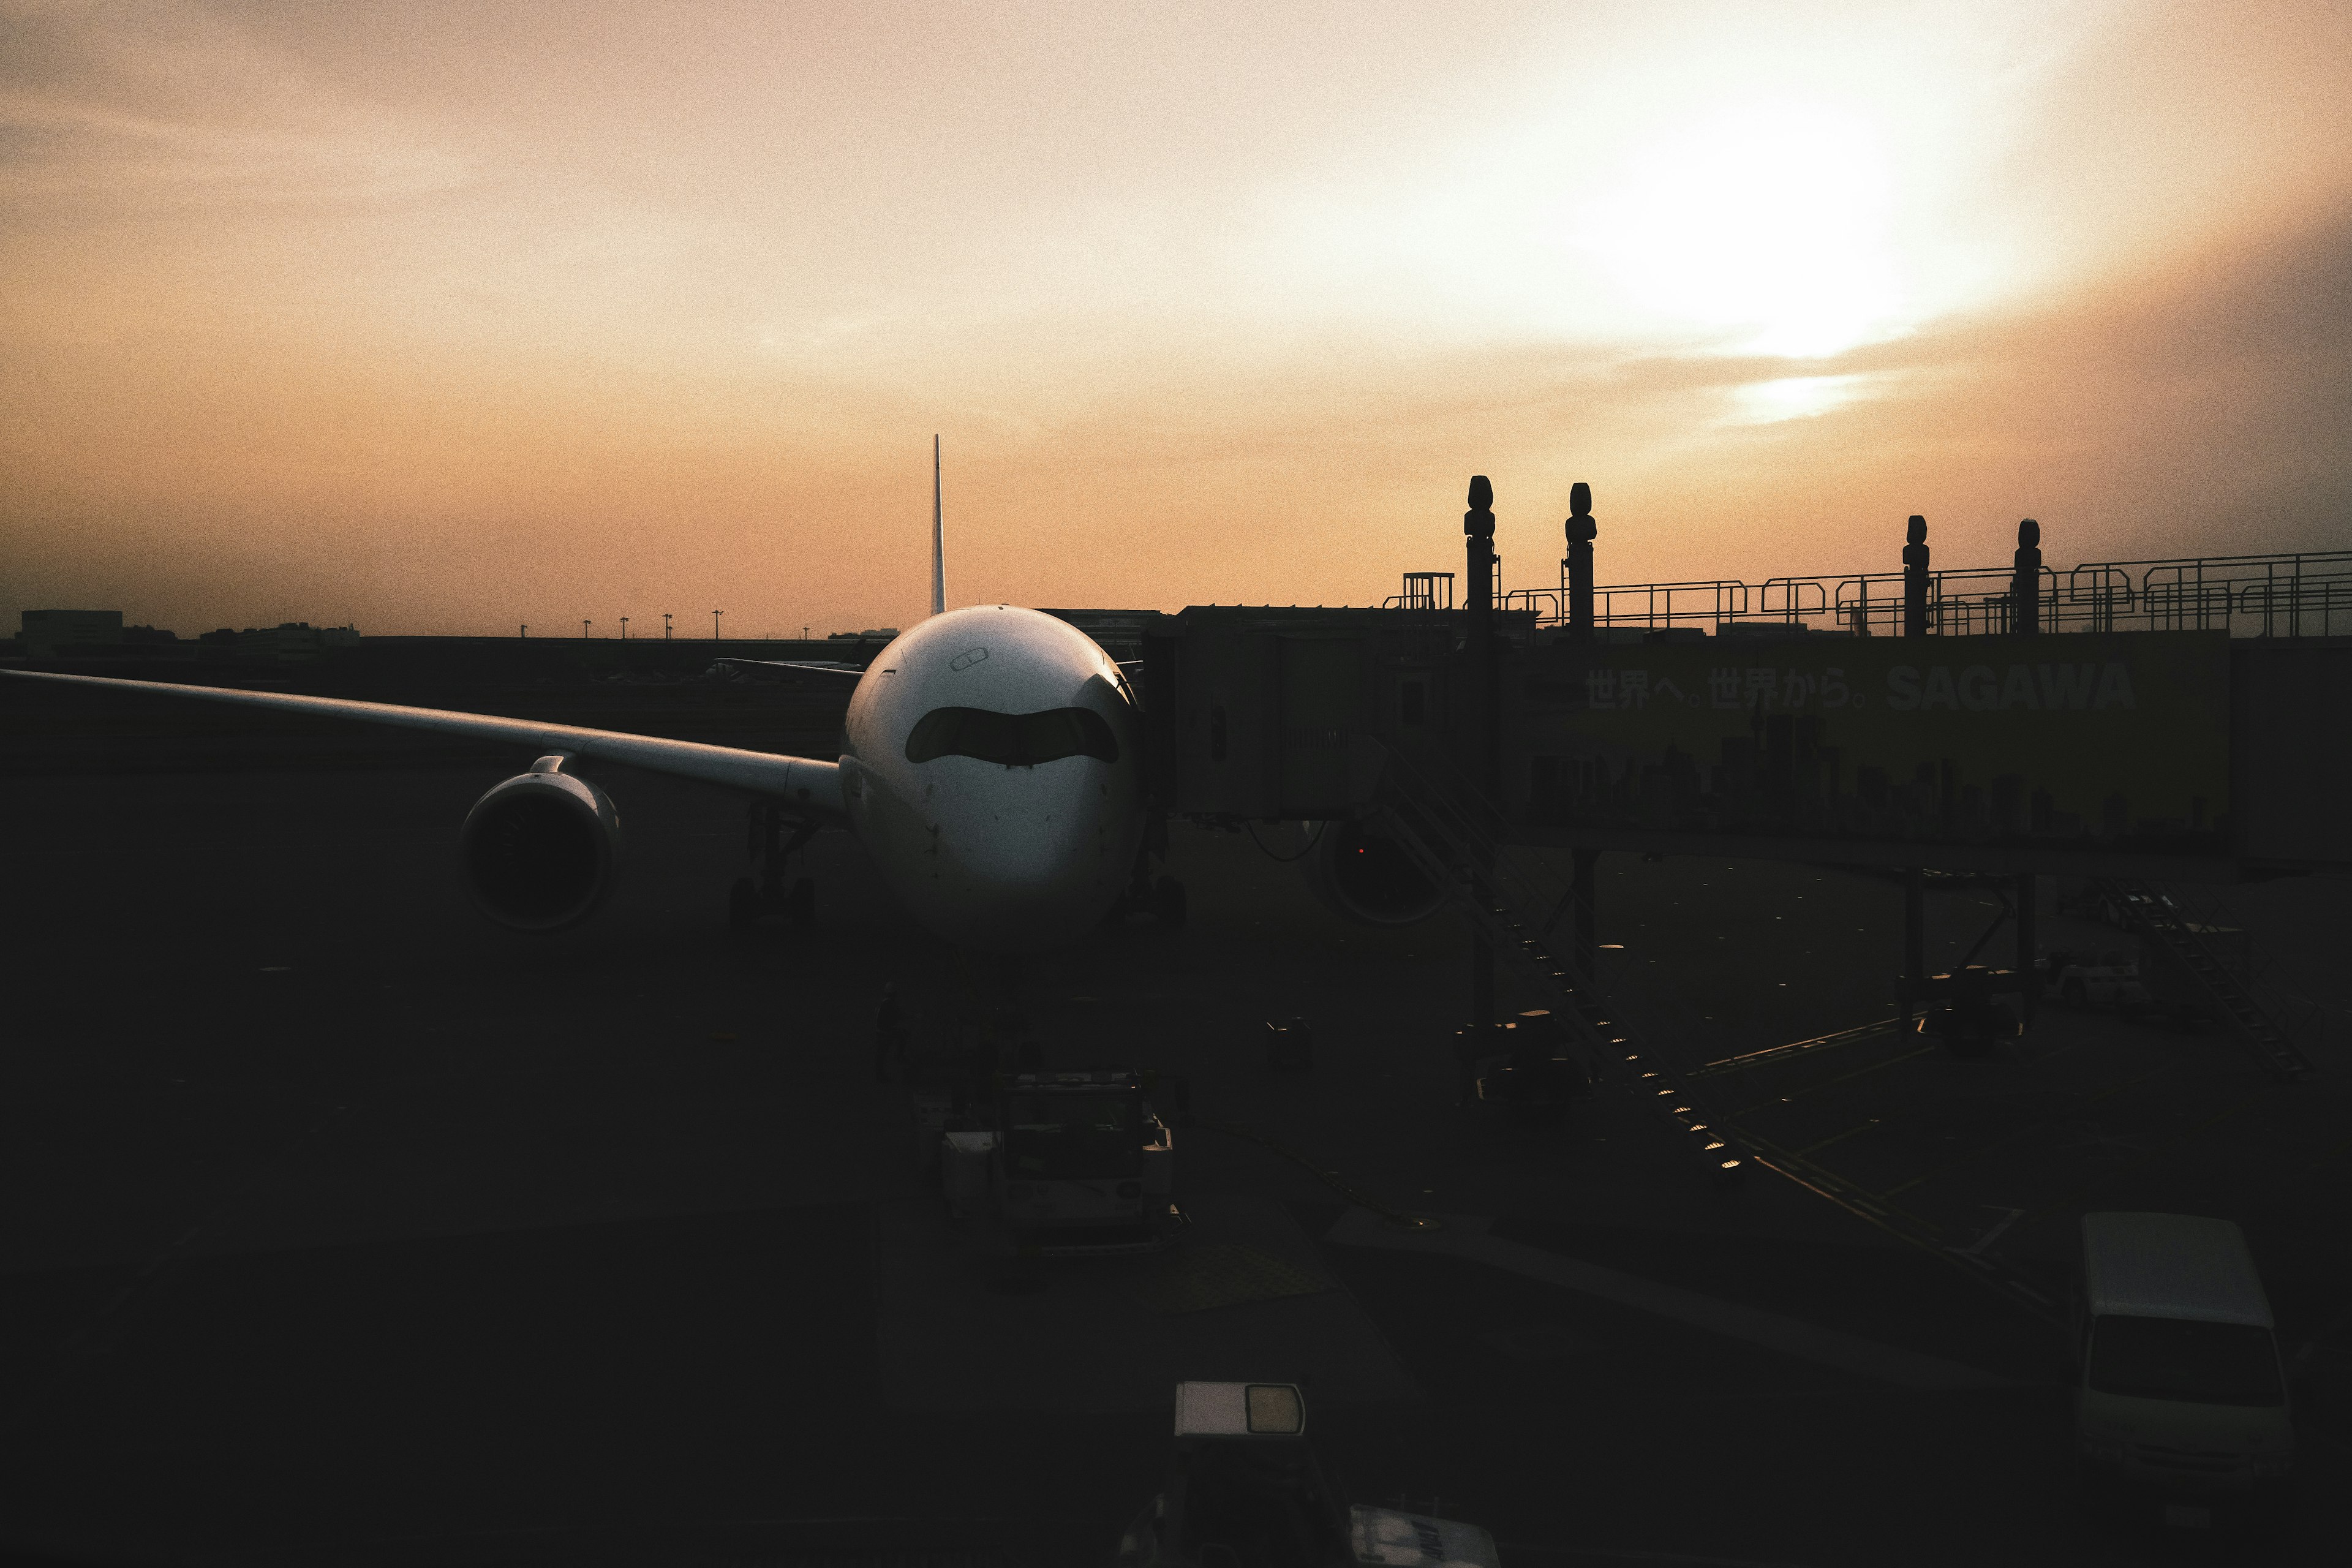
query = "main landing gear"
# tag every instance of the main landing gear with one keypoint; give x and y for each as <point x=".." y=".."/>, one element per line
<point x="748" y="902"/>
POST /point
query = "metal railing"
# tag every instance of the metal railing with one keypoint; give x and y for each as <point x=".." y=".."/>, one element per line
<point x="1549" y="606"/>
<point x="2156" y="915"/>
<point x="1649" y="605"/>
<point x="1424" y="591"/>
<point x="2302" y="594"/>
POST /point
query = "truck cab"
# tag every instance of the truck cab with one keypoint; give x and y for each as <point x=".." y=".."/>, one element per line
<point x="1246" y="1490"/>
<point x="2178" y="1379"/>
<point x="1072" y="1163"/>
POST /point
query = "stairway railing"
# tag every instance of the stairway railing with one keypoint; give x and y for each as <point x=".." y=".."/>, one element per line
<point x="2160" y="916"/>
<point x="1451" y="833"/>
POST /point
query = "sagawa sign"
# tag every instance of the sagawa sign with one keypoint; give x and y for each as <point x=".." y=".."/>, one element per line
<point x="2056" y="685"/>
<point x="2115" y="738"/>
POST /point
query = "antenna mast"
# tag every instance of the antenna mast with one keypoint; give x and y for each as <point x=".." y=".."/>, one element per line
<point x="939" y="539"/>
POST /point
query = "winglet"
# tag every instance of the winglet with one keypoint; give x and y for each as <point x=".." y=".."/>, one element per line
<point x="939" y="539"/>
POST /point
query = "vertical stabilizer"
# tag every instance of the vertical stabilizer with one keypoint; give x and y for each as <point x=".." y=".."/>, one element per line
<point x="939" y="539"/>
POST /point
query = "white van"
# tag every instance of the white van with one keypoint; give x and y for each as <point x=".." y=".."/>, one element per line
<point x="2180" y="1381"/>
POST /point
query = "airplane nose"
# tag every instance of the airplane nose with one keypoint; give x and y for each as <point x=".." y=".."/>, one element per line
<point x="1027" y="834"/>
<point x="1027" y="860"/>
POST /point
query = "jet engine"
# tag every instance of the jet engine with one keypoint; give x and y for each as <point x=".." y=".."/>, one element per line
<point x="540" y="850"/>
<point x="1360" y="871"/>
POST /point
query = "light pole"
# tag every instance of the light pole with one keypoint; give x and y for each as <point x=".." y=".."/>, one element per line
<point x="804" y="633"/>
<point x="665" y="625"/>
<point x="525" y="632"/>
<point x="714" y="623"/>
<point x="625" y="628"/>
<point x="583" y="630"/>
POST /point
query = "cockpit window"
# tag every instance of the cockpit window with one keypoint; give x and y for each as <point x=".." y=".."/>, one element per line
<point x="1015" y="739"/>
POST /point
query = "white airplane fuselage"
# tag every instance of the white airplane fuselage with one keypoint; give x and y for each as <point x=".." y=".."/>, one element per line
<point x="991" y="768"/>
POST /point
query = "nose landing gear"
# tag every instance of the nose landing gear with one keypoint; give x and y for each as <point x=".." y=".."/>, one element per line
<point x="1168" y="902"/>
<point x="1161" y="896"/>
<point x="750" y="902"/>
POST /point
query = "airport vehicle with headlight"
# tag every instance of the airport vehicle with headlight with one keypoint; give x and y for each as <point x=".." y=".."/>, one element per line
<point x="1069" y="1162"/>
<point x="1245" y="1486"/>
<point x="2179" y="1382"/>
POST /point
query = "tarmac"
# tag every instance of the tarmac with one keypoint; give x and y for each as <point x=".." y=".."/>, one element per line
<point x="344" y="1227"/>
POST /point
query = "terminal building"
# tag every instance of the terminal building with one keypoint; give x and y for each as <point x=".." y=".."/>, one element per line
<point x="100" y="634"/>
<point x="51" y="633"/>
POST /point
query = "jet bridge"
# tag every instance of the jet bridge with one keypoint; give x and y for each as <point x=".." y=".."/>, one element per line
<point x="1282" y="713"/>
<point x="2137" y="723"/>
<point x="2149" y="755"/>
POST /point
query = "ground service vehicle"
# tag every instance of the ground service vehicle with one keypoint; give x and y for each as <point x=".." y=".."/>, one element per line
<point x="1971" y="1009"/>
<point x="1071" y="1162"/>
<point x="1525" y="1065"/>
<point x="1244" y="1490"/>
<point x="2092" y="980"/>
<point x="2179" y="1383"/>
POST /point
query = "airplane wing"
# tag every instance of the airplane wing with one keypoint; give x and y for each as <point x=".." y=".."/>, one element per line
<point x="800" y="784"/>
<point x="847" y="674"/>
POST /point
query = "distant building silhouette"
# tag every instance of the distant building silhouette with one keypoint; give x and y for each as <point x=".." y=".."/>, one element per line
<point x="71" y="634"/>
<point x="294" y="640"/>
<point x="48" y="634"/>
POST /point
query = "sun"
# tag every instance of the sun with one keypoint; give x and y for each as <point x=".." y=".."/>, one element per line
<point x="1771" y="224"/>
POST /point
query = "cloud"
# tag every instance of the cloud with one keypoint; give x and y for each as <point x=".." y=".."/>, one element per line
<point x="2195" y="410"/>
<point x="109" y="112"/>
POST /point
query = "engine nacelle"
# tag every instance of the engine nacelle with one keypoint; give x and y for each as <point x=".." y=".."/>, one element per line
<point x="1359" y="871"/>
<point x="541" y="851"/>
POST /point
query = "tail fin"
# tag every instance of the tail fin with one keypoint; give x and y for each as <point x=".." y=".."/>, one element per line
<point x="939" y="539"/>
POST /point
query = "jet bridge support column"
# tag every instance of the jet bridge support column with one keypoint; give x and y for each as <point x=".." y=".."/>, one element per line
<point x="2025" y="596"/>
<point x="1485" y="720"/>
<point x="1915" y="577"/>
<point x="1587" y="863"/>
<point x="1581" y="530"/>
<point x="2028" y="891"/>
<point x="1915" y="901"/>
<point x="1915" y="940"/>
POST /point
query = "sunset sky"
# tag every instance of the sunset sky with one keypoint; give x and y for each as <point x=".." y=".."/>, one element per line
<point x="447" y="318"/>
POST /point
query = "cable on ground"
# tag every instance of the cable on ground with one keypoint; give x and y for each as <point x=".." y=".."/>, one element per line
<point x="1286" y="860"/>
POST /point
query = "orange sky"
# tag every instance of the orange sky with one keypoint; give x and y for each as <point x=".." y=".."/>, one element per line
<point x="442" y="319"/>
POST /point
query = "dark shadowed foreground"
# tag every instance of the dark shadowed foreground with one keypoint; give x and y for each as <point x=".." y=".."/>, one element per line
<point x="341" y="1226"/>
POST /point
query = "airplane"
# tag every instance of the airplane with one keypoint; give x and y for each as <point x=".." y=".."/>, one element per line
<point x="991" y="763"/>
